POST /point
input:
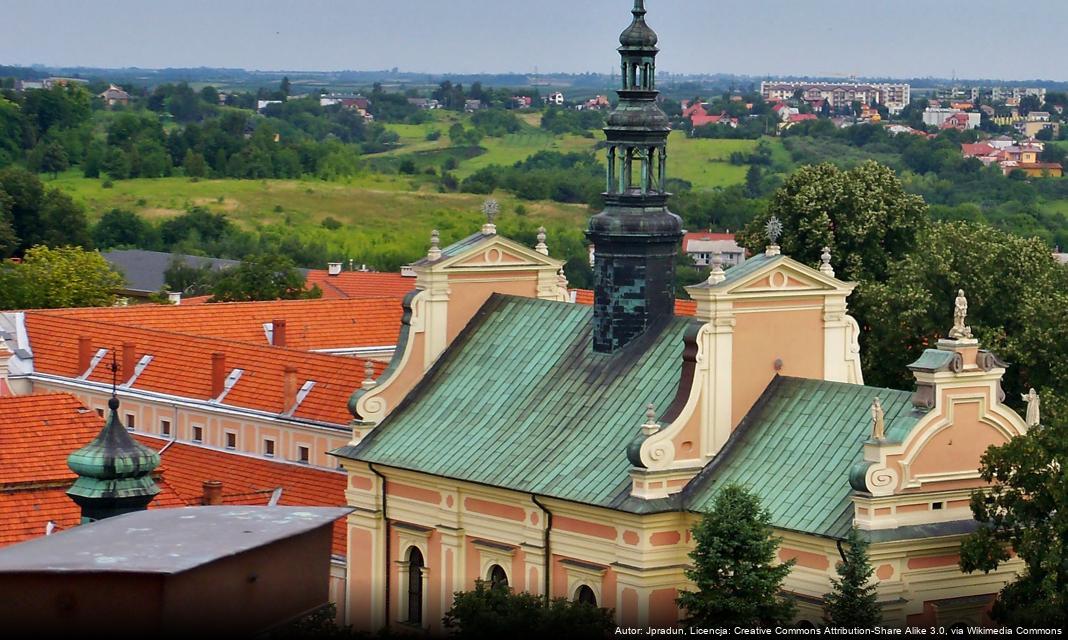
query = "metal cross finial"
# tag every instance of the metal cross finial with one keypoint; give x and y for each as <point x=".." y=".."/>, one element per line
<point x="114" y="366"/>
<point x="490" y="208"/>
<point x="773" y="230"/>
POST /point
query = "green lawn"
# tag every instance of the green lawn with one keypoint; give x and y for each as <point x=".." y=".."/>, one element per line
<point x="378" y="213"/>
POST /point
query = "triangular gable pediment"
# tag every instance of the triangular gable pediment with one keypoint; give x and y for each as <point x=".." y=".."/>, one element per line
<point x="494" y="251"/>
<point x="786" y="276"/>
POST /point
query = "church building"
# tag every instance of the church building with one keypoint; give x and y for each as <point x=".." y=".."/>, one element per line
<point x="568" y="450"/>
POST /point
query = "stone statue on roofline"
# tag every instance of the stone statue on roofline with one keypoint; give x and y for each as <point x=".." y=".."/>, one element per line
<point x="878" y="420"/>
<point x="960" y="330"/>
<point x="1032" y="418"/>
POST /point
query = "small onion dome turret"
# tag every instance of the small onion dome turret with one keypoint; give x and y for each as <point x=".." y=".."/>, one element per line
<point x="638" y="35"/>
<point x="113" y="465"/>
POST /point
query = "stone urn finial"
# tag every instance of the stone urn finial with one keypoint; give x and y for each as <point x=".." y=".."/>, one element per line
<point x="541" y="247"/>
<point x="435" y="248"/>
<point x="651" y="426"/>
<point x="825" y="262"/>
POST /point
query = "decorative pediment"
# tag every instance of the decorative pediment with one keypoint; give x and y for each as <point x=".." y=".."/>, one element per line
<point x="493" y="251"/>
<point x="784" y="275"/>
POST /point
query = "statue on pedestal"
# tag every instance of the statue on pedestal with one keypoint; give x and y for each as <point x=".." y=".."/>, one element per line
<point x="960" y="330"/>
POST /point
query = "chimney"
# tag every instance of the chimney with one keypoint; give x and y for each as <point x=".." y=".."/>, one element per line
<point x="278" y="332"/>
<point x="174" y="297"/>
<point x="218" y="373"/>
<point x="333" y="268"/>
<point x="85" y="353"/>
<point x="289" y="388"/>
<point x="129" y="361"/>
<point x="212" y="492"/>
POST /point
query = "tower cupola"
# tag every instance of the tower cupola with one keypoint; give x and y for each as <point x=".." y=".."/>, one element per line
<point x="636" y="237"/>
<point x="114" y="472"/>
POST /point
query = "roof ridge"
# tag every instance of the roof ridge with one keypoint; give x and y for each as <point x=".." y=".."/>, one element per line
<point x="314" y="355"/>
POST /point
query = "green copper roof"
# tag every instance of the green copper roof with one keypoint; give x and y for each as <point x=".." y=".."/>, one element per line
<point x="521" y="401"/>
<point x="797" y="447"/>
<point x="113" y="465"/>
<point x="741" y="271"/>
<point x="934" y="360"/>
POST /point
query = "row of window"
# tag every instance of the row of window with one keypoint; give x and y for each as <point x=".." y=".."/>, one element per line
<point x="496" y="576"/>
<point x="303" y="452"/>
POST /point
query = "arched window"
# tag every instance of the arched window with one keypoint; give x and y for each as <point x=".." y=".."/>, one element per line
<point x="585" y="595"/>
<point x="497" y="576"/>
<point x="415" y="586"/>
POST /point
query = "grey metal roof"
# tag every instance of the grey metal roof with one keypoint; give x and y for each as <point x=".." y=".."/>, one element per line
<point x="144" y="270"/>
<point x="164" y="541"/>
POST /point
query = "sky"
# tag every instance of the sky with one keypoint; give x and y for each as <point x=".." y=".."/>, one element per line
<point x="898" y="38"/>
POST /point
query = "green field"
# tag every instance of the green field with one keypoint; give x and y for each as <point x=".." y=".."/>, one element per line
<point x="705" y="163"/>
<point x="375" y="210"/>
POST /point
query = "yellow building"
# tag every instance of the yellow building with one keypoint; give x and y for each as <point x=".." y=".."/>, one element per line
<point x="568" y="450"/>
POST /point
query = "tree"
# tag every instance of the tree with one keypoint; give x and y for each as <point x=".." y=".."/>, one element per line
<point x="9" y="242"/>
<point x="51" y="157"/>
<point x="734" y="566"/>
<point x="262" y="277"/>
<point x="853" y="600"/>
<point x="195" y="166"/>
<point x="25" y="192"/>
<point x="1025" y="510"/>
<point x="753" y="177"/>
<point x="285" y="86"/>
<point x="121" y="228"/>
<point x="494" y="611"/>
<point x="1017" y="295"/>
<point x="56" y="278"/>
<point x="63" y="221"/>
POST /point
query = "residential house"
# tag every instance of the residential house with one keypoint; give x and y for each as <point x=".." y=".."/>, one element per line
<point x="555" y="98"/>
<point x="114" y="95"/>
<point x="472" y="105"/>
<point x="702" y="247"/>
<point x="424" y="103"/>
<point x="261" y="105"/>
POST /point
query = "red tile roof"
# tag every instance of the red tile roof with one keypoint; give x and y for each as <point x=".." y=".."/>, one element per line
<point x="682" y="307"/>
<point x="248" y="480"/>
<point x="802" y="117"/>
<point x="310" y="324"/>
<point x="182" y="365"/>
<point x="38" y="432"/>
<point x="704" y="236"/>
<point x="360" y="284"/>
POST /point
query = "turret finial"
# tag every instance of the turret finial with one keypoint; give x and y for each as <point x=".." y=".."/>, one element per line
<point x="369" y="375"/>
<point x="435" y="248"/>
<point x="651" y="426"/>
<point x="825" y="263"/>
<point x="541" y="247"/>
<point x="717" y="275"/>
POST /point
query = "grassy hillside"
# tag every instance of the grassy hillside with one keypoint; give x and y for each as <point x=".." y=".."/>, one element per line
<point x="378" y="213"/>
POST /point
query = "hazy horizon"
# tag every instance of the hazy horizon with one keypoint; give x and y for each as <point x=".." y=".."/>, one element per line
<point x="763" y="38"/>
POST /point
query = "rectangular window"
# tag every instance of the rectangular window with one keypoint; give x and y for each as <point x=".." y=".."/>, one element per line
<point x="303" y="455"/>
<point x="130" y="423"/>
<point x="268" y="448"/>
<point x="165" y="427"/>
<point x="198" y="434"/>
<point x="231" y="440"/>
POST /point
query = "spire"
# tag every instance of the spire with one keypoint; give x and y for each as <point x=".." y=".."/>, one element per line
<point x="636" y="236"/>
<point x="114" y="471"/>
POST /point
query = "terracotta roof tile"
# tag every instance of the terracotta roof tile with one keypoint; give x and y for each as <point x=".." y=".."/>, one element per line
<point x="181" y="365"/>
<point x="38" y="432"/>
<point x="310" y="324"/>
<point x="682" y="307"/>
<point x="360" y="284"/>
<point x="249" y="480"/>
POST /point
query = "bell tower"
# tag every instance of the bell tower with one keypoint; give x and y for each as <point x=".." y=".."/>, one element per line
<point x="636" y="237"/>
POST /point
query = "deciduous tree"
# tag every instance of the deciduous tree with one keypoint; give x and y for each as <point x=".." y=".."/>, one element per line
<point x="262" y="277"/>
<point x="1025" y="510"/>
<point x="494" y="611"/>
